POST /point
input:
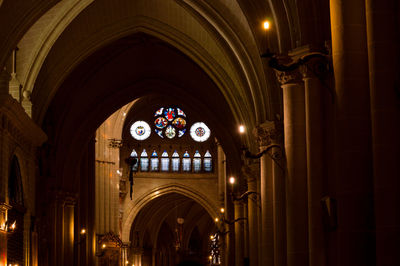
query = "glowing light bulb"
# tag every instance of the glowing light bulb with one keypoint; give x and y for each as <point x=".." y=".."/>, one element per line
<point x="222" y="210"/>
<point x="83" y="231"/>
<point x="266" y="25"/>
<point x="241" y="129"/>
<point x="232" y="180"/>
<point x="103" y="246"/>
<point x="216" y="220"/>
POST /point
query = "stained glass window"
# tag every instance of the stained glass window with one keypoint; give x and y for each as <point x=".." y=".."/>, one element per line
<point x="170" y="122"/>
<point x="200" y="132"/>
<point x="196" y="162"/>
<point x="207" y="162"/>
<point x="154" y="161"/>
<point x="144" y="161"/>
<point x="186" y="162"/>
<point x="140" y="130"/>
<point x="175" y="161"/>
<point x="136" y="165"/>
<point x="164" y="162"/>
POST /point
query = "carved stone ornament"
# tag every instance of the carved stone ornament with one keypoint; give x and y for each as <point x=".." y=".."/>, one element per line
<point x="317" y="67"/>
<point x="268" y="133"/>
<point x="286" y="77"/>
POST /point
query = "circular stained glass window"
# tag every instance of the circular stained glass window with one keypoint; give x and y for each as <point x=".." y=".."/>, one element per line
<point x="140" y="130"/>
<point x="170" y="132"/>
<point x="200" y="132"/>
<point x="170" y="122"/>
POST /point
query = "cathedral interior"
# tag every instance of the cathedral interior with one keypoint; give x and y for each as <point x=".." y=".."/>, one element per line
<point x="199" y="132"/>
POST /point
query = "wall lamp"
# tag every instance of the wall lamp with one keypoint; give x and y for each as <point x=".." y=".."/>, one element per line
<point x="274" y="156"/>
<point x="8" y="227"/>
<point x="274" y="58"/>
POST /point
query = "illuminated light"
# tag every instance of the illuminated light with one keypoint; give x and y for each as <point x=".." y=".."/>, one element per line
<point x="222" y="210"/>
<point x="103" y="246"/>
<point x="216" y="220"/>
<point x="14" y="225"/>
<point x="210" y="257"/>
<point x="211" y="237"/>
<point x="83" y="231"/>
<point x="232" y="180"/>
<point x="241" y="129"/>
<point x="266" y="25"/>
<point x="157" y="192"/>
<point x="126" y="262"/>
<point x="124" y="114"/>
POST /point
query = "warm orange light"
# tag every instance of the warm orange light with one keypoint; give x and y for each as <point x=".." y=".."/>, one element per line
<point x="216" y="220"/>
<point x="210" y="257"/>
<point x="14" y="225"/>
<point x="222" y="210"/>
<point x="83" y="231"/>
<point x="211" y="237"/>
<point x="126" y="262"/>
<point x="232" y="180"/>
<point x="241" y="129"/>
<point x="103" y="246"/>
<point x="266" y="25"/>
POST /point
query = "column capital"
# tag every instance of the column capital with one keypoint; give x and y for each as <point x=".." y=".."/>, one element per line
<point x="269" y="132"/>
<point x="65" y="198"/>
<point x="316" y="66"/>
<point x="287" y="77"/>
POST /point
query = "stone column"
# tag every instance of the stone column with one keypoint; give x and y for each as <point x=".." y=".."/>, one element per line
<point x="245" y="233"/>
<point x="383" y="55"/>
<point x="355" y="237"/>
<point x="63" y="229"/>
<point x="221" y="174"/>
<point x="269" y="135"/>
<point x="253" y="210"/>
<point x="313" y="71"/>
<point x="267" y="234"/>
<point x="239" y="233"/>
<point x="296" y="178"/>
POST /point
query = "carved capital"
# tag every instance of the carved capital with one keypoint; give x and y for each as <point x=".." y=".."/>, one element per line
<point x="316" y="67"/>
<point x="268" y="133"/>
<point x="286" y="77"/>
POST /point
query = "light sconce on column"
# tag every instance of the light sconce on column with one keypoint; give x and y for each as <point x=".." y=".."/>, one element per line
<point x="274" y="57"/>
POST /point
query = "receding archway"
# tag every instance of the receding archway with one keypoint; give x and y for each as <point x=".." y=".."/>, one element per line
<point x="172" y="228"/>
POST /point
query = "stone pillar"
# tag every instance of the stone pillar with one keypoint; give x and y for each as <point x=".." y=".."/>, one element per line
<point x="63" y="229"/>
<point x="267" y="233"/>
<point x="221" y="174"/>
<point x="253" y="210"/>
<point x="269" y="135"/>
<point x="136" y="257"/>
<point x="239" y="233"/>
<point x="383" y="55"/>
<point x="245" y="233"/>
<point x="314" y="110"/>
<point x="296" y="178"/>
<point x="355" y="237"/>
